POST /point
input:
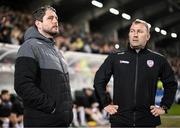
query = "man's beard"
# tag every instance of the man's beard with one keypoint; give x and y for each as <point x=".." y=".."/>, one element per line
<point x="51" y="33"/>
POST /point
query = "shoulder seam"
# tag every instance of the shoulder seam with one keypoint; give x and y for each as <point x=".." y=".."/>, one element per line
<point x="155" y="53"/>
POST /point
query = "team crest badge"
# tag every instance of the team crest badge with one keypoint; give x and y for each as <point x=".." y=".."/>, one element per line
<point x="150" y="63"/>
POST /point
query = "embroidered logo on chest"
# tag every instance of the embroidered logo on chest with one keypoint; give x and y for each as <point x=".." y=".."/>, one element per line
<point x="124" y="62"/>
<point x="150" y="63"/>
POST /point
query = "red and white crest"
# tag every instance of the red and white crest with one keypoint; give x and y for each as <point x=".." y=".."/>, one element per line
<point x="150" y="63"/>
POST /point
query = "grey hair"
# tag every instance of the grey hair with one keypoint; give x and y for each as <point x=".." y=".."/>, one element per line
<point x="147" y="25"/>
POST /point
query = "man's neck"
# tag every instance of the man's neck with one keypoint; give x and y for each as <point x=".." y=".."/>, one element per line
<point x="45" y="34"/>
<point x="138" y="48"/>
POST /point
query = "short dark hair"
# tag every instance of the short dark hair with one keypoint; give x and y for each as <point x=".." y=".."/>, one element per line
<point x="4" y="91"/>
<point x="40" y="12"/>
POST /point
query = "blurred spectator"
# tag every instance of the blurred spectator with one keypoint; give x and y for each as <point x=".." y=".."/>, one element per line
<point x="5" y="35"/>
<point x="16" y="36"/>
<point x="6" y="103"/>
<point x="5" y="108"/>
<point x="86" y="104"/>
<point x="62" y="42"/>
<point x="16" y="117"/>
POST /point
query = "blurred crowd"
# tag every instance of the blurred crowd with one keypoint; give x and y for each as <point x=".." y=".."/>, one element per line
<point x="14" y="23"/>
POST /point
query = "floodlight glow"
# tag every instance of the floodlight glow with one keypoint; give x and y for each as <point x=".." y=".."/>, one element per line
<point x="157" y="29"/>
<point x="163" y="32"/>
<point x="114" y="11"/>
<point x="97" y="3"/>
<point x="173" y="35"/>
<point x="116" y="46"/>
<point x="126" y="16"/>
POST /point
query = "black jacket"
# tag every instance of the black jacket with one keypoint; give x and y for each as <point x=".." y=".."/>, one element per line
<point x="135" y="78"/>
<point x="42" y="81"/>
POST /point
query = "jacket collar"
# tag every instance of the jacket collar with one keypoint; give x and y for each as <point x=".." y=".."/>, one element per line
<point x="143" y="50"/>
<point x="32" y="32"/>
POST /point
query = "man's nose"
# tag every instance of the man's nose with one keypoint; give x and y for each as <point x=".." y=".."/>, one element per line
<point x="55" y="20"/>
<point x="135" y="34"/>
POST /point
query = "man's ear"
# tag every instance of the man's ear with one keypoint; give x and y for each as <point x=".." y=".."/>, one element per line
<point x="38" y="24"/>
<point x="148" y="36"/>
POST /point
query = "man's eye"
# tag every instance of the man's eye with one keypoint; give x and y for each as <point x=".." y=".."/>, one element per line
<point x="131" y="31"/>
<point x="50" y="18"/>
<point x="140" y="31"/>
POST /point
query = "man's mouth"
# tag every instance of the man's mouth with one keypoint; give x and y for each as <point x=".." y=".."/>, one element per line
<point x="55" y="27"/>
<point x="135" y="40"/>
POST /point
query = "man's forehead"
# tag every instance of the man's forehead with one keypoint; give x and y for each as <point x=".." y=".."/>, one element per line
<point x="138" y="25"/>
<point x="49" y="12"/>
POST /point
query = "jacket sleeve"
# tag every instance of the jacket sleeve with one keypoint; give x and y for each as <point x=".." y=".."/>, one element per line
<point x="102" y="77"/>
<point x="169" y="84"/>
<point x="26" y="85"/>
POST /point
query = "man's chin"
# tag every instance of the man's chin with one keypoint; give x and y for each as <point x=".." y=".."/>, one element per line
<point x="137" y="47"/>
<point x="54" y="33"/>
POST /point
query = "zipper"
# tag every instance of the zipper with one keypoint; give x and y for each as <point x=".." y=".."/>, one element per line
<point x="57" y="54"/>
<point x="134" y="117"/>
<point x="135" y="88"/>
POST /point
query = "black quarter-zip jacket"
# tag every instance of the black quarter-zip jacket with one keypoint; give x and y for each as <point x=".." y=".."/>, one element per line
<point x="135" y="77"/>
<point x="42" y="81"/>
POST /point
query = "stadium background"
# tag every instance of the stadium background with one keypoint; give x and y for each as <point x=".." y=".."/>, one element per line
<point x="90" y="30"/>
